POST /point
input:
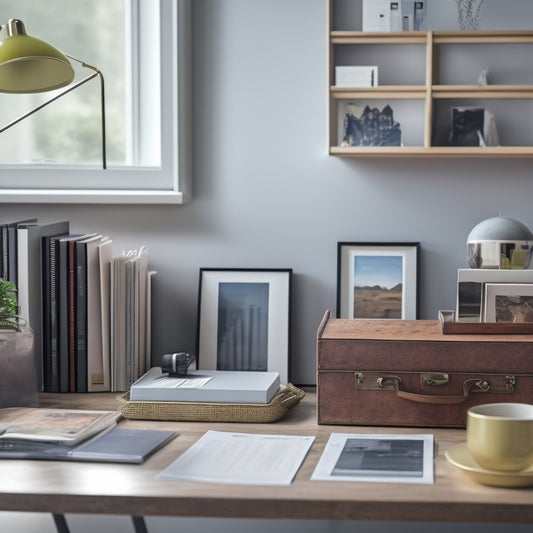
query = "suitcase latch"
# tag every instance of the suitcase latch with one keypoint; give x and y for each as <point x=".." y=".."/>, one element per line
<point x="434" y="380"/>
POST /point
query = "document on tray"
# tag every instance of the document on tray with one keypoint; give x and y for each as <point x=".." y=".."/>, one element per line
<point x="381" y="458"/>
<point x="241" y="458"/>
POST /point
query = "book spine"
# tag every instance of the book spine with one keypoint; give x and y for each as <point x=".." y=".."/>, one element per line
<point x="71" y="319"/>
<point x="46" y="365"/>
<point x="62" y="306"/>
<point x="49" y="327"/>
<point x="80" y="328"/>
<point x="4" y="258"/>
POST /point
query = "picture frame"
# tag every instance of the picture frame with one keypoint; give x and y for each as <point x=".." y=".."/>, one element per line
<point x="508" y="302"/>
<point x="378" y="280"/>
<point x="244" y="320"/>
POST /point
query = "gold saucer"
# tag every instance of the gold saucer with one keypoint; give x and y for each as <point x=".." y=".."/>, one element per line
<point x="460" y="457"/>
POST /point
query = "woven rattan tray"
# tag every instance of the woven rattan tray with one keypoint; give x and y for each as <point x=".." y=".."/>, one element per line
<point x="283" y="400"/>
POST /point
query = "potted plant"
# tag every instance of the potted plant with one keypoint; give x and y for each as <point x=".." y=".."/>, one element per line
<point x="18" y="376"/>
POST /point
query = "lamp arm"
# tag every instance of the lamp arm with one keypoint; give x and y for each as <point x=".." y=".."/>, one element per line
<point x="96" y="73"/>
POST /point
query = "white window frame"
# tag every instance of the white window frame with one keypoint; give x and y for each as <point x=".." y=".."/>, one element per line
<point x="127" y="183"/>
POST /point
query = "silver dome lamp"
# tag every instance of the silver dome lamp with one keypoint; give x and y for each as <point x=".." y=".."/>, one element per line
<point x="499" y="242"/>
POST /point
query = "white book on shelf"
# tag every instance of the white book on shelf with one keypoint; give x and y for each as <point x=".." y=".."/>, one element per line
<point x="221" y="386"/>
<point x="376" y="15"/>
<point x="356" y="76"/>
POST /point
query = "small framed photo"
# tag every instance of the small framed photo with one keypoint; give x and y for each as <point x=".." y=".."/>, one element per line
<point x="244" y="320"/>
<point x="508" y="302"/>
<point x="377" y="280"/>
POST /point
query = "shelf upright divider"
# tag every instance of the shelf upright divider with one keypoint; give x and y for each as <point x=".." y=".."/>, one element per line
<point x="432" y="67"/>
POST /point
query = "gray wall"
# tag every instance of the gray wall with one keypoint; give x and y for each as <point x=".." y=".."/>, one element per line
<point x="266" y="194"/>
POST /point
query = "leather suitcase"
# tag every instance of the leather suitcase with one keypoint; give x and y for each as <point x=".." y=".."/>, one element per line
<point x="408" y="373"/>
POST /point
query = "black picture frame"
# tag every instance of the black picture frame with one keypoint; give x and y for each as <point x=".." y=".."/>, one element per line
<point x="244" y="320"/>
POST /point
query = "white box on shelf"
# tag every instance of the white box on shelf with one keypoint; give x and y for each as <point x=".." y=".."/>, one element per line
<point x="376" y="15"/>
<point x="408" y="15"/>
<point x="356" y="76"/>
<point x="420" y="16"/>
<point x="395" y="16"/>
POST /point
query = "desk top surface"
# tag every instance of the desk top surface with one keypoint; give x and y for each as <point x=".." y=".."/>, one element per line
<point x="68" y="487"/>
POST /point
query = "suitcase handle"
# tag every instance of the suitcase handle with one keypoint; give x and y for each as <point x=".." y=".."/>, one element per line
<point x="468" y="385"/>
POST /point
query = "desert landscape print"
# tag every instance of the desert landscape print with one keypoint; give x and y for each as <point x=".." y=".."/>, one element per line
<point x="378" y="288"/>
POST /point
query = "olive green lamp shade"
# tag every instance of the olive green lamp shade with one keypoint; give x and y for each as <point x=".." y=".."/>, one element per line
<point x="29" y="65"/>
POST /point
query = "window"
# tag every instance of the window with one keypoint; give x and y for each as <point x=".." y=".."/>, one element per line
<point x="142" y="49"/>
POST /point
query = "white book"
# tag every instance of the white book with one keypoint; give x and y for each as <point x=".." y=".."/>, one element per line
<point x="222" y="386"/>
<point x="356" y="76"/>
<point x="376" y="15"/>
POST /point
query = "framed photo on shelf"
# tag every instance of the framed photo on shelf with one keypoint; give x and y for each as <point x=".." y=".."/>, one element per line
<point x="378" y="280"/>
<point x="508" y="302"/>
<point x="244" y="320"/>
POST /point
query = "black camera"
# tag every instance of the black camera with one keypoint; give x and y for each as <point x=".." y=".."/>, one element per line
<point x="176" y="364"/>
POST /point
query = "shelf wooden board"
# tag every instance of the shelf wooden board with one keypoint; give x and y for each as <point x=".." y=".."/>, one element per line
<point x="433" y="151"/>
<point x="383" y="91"/>
<point x="359" y="37"/>
<point x="437" y="37"/>
<point x="482" y="91"/>
<point x="432" y="94"/>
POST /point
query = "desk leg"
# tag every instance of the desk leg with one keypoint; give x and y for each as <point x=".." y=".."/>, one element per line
<point x="61" y="523"/>
<point x="139" y="524"/>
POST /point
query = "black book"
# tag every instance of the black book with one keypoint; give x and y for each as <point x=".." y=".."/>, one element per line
<point x="80" y="312"/>
<point x="50" y="332"/>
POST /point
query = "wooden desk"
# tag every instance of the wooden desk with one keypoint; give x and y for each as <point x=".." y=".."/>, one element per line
<point x="66" y="487"/>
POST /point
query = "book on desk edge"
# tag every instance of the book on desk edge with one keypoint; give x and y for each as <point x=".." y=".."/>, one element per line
<point x="224" y="386"/>
<point x="57" y="426"/>
<point x="114" y="445"/>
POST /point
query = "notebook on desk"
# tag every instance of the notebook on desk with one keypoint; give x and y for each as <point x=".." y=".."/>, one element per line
<point x="116" y="445"/>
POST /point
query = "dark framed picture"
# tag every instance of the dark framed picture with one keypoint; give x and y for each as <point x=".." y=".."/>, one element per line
<point x="377" y="280"/>
<point x="244" y="320"/>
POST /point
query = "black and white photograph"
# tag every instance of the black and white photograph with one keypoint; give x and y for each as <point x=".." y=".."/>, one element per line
<point x="244" y="320"/>
<point x="508" y="302"/>
<point x="377" y="280"/>
<point x="380" y="457"/>
<point x="365" y="125"/>
<point x="372" y="457"/>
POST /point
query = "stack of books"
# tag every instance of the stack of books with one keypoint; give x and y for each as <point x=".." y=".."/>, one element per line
<point x="77" y="435"/>
<point x="494" y="295"/>
<point x="90" y="322"/>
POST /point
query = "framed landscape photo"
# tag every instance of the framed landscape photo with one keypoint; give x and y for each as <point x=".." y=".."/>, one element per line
<point x="508" y="302"/>
<point x="244" y="320"/>
<point x="377" y="280"/>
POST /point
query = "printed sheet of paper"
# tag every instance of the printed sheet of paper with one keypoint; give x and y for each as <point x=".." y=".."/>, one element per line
<point x="383" y="458"/>
<point x="252" y="459"/>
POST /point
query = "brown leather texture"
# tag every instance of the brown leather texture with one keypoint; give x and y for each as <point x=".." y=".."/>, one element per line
<point x="391" y="389"/>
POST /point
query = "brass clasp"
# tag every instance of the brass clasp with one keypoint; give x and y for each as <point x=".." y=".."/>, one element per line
<point x="434" y="380"/>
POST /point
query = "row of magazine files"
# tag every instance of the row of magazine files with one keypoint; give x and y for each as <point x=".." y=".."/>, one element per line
<point x="88" y="308"/>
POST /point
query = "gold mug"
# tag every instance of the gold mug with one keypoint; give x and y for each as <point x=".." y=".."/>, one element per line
<point x="499" y="436"/>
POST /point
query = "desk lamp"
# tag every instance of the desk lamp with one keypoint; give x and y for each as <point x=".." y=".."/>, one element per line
<point x="29" y="65"/>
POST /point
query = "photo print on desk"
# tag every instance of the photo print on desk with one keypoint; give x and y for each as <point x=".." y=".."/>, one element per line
<point x="377" y="280"/>
<point x="244" y="320"/>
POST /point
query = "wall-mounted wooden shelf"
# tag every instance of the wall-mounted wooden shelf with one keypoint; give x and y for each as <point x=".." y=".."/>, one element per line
<point x="431" y="95"/>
